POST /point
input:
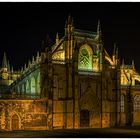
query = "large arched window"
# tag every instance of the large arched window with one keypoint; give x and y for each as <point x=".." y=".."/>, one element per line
<point x="27" y="87"/>
<point x="18" y="89"/>
<point x="38" y="83"/>
<point x="22" y="88"/>
<point x="137" y="103"/>
<point x="85" y="57"/>
<point x="33" y="85"/>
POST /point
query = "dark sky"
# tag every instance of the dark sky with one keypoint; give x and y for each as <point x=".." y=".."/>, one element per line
<point x="24" y="25"/>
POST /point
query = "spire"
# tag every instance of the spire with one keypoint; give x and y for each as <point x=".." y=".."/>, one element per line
<point x="98" y="27"/>
<point x="133" y="65"/>
<point x="12" y="69"/>
<point x="38" y="54"/>
<point x="99" y="34"/>
<point x="8" y="65"/>
<point x="72" y="21"/>
<point x="69" y="27"/>
<point x="69" y="20"/>
<point x="33" y="59"/>
<point x="29" y="64"/>
<point x="114" y="49"/>
<point x="117" y="52"/>
<point x="4" y="62"/>
<point x="37" y="57"/>
<point x="25" y="66"/>
<point x="57" y="39"/>
<point x="21" y="69"/>
<point x="123" y="62"/>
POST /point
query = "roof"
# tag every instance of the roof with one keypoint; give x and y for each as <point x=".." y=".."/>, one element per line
<point x="84" y="33"/>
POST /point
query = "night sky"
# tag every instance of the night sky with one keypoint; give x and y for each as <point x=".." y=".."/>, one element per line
<point x="24" y="25"/>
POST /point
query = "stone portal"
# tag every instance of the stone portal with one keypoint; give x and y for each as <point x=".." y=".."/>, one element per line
<point x="84" y="118"/>
<point x="15" y="122"/>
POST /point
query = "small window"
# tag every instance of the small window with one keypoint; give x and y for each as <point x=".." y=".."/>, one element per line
<point x="137" y="103"/>
<point x="122" y="103"/>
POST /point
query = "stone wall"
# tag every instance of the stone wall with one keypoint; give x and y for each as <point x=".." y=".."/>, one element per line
<point x="22" y="114"/>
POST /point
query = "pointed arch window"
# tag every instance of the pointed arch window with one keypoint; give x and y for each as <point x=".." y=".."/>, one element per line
<point x="33" y="85"/>
<point x="38" y="83"/>
<point x="137" y="103"/>
<point x="122" y="103"/>
<point x="27" y="87"/>
<point x="85" y="57"/>
<point x="22" y="88"/>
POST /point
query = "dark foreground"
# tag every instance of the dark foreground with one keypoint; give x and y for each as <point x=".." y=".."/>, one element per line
<point x="80" y="133"/>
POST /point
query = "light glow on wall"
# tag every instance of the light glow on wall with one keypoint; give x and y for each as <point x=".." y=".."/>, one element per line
<point x="59" y="55"/>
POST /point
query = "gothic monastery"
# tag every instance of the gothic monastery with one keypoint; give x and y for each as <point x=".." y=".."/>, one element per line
<point x="71" y="84"/>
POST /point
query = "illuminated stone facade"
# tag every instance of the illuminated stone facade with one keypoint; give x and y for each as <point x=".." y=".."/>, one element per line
<point x="22" y="114"/>
<point x="71" y="84"/>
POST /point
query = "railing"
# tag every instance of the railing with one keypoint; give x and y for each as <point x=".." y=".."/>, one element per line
<point x="84" y="33"/>
<point x="18" y="96"/>
<point x="88" y="72"/>
<point x="25" y="96"/>
<point x="132" y="87"/>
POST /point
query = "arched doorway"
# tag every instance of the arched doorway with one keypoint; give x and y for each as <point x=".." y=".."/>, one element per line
<point x="84" y="118"/>
<point x="15" y="122"/>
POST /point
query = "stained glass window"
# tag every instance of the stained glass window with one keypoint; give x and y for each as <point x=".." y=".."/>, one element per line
<point x="33" y="90"/>
<point x="38" y="83"/>
<point x="27" y="87"/>
<point x="85" y="58"/>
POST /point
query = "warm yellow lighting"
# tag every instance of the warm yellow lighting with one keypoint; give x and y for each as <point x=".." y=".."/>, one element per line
<point x="85" y="57"/>
<point x="5" y="75"/>
<point x="59" y="55"/>
<point x="129" y="75"/>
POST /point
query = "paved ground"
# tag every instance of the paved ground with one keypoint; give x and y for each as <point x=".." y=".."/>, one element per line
<point x="80" y="133"/>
